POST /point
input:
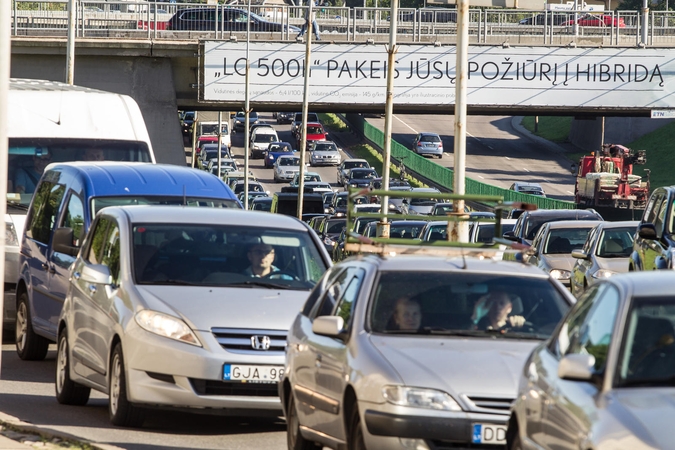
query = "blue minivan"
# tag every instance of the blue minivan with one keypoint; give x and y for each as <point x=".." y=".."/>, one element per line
<point x="66" y="200"/>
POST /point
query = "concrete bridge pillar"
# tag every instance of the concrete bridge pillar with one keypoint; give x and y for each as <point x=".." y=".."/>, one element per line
<point x="147" y="80"/>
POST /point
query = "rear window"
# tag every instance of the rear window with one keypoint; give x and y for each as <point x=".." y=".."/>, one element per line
<point x="430" y="139"/>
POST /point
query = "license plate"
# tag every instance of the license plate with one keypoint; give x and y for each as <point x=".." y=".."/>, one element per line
<point x="252" y="374"/>
<point x="487" y="433"/>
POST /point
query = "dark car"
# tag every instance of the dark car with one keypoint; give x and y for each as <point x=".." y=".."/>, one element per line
<point x="529" y="222"/>
<point x="436" y="15"/>
<point x="187" y="121"/>
<point x="222" y="19"/>
<point x="654" y="245"/>
<point x="329" y="231"/>
<point x="360" y="177"/>
<point x="546" y="19"/>
<point x="275" y="150"/>
<point x="285" y="117"/>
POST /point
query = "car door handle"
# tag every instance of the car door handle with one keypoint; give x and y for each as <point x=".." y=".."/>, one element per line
<point x="77" y="275"/>
<point x="92" y="289"/>
<point x="317" y="363"/>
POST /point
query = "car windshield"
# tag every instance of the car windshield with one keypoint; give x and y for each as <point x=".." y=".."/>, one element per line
<point x="314" y="130"/>
<point x="103" y="202"/>
<point x="29" y="156"/>
<point x="531" y="191"/>
<point x="361" y="222"/>
<point x="289" y="162"/>
<point x="360" y="174"/>
<point x="405" y="231"/>
<point x="616" y="243"/>
<point x="322" y="147"/>
<point x="335" y="226"/>
<point x="352" y="164"/>
<point x="467" y="304"/>
<point x="442" y="210"/>
<point x="486" y="231"/>
<point x="425" y="201"/>
<point x="280" y="148"/>
<point x="221" y="255"/>
<point x="213" y="128"/>
<point x="565" y="240"/>
<point x="210" y="154"/>
<point x="647" y="353"/>
<point x="264" y="138"/>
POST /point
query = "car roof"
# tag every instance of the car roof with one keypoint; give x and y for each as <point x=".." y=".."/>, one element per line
<point x="111" y="178"/>
<point x="644" y="283"/>
<point x="604" y="224"/>
<point x="560" y="213"/>
<point x="420" y="189"/>
<point x="559" y="224"/>
<point x="288" y="156"/>
<point x="354" y="160"/>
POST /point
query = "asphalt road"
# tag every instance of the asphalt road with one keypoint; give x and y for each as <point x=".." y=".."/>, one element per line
<point x="496" y="153"/>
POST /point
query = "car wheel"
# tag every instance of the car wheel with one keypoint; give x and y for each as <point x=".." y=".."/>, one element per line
<point x="122" y="412"/>
<point x="67" y="391"/>
<point x="356" y="441"/>
<point x="515" y="443"/>
<point x="29" y="346"/>
<point x="294" y="438"/>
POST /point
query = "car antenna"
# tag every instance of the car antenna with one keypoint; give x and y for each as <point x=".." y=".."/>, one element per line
<point x="184" y="197"/>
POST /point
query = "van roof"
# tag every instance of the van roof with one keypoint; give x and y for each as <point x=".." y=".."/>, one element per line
<point x="110" y="178"/>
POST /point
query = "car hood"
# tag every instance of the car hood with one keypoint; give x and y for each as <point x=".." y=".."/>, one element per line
<point x="473" y="366"/>
<point x="563" y="262"/>
<point x="206" y="307"/>
<point x="618" y="265"/>
<point x="647" y="412"/>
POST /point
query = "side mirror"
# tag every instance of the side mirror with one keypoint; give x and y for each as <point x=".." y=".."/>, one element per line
<point x="62" y="241"/>
<point x="510" y="236"/>
<point x="331" y="326"/>
<point x="579" y="254"/>
<point x="95" y="274"/>
<point x="647" y="231"/>
<point x="576" y="367"/>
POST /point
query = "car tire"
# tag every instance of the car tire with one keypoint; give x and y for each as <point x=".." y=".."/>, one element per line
<point x="122" y="412"/>
<point x="356" y="440"/>
<point x="67" y="391"/>
<point x="29" y="346"/>
<point x="294" y="439"/>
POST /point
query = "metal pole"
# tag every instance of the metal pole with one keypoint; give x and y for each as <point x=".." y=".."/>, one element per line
<point x="383" y="229"/>
<point x="5" y="59"/>
<point x="460" y="230"/>
<point x="645" y="20"/>
<point x="220" y="132"/>
<point x="246" y="106"/>
<point x="602" y="132"/>
<point x="305" y="105"/>
<point x="70" y="51"/>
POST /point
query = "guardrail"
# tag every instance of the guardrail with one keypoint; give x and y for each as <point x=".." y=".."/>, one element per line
<point x="443" y="176"/>
<point x="158" y="20"/>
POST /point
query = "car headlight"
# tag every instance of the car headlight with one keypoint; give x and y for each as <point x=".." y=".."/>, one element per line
<point x="166" y="326"/>
<point x="10" y="234"/>
<point x="560" y="274"/>
<point x="603" y="273"/>
<point x="420" y="398"/>
<point x="328" y="241"/>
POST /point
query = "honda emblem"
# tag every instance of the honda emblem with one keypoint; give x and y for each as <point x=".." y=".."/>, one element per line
<point x="260" y="342"/>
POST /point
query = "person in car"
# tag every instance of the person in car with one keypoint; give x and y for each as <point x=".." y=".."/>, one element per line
<point x="261" y="257"/>
<point x="27" y="177"/>
<point x="499" y="305"/>
<point x="93" y="154"/>
<point x="407" y="315"/>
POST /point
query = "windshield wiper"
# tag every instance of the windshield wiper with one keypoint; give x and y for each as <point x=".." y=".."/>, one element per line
<point x="254" y="283"/>
<point x="16" y="204"/>
<point x="171" y="281"/>
<point x="449" y="332"/>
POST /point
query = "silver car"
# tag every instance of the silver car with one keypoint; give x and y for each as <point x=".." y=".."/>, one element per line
<point x="414" y="352"/>
<point x="553" y="244"/>
<point x="428" y="144"/>
<point x="605" y="253"/>
<point x="184" y="310"/>
<point x="604" y="380"/>
<point x="325" y="153"/>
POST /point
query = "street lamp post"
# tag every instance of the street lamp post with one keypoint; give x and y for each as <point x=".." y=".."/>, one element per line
<point x="305" y="105"/>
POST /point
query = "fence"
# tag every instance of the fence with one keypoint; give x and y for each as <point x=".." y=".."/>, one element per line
<point x="159" y="20"/>
<point x="444" y="176"/>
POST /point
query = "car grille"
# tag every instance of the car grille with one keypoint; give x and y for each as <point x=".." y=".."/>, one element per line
<point x="237" y="340"/>
<point x="213" y="387"/>
<point x="496" y="405"/>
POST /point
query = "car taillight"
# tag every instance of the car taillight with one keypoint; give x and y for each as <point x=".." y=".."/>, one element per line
<point x="440" y="145"/>
<point x="419" y="144"/>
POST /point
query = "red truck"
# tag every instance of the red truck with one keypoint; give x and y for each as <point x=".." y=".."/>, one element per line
<point x="606" y="183"/>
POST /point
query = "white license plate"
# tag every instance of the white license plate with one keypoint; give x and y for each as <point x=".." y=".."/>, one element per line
<point x="252" y="374"/>
<point x="487" y="433"/>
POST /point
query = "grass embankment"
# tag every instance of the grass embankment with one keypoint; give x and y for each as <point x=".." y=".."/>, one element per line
<point x="365" y="151"/>
<point x="659" y="145"/>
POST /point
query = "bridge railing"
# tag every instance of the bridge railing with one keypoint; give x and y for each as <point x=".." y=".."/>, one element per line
<point x="124" y="19"/>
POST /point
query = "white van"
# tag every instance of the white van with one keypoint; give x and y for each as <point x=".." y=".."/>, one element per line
<point x="56" y="122"/>
<point x="261" y="138"/>
<point x="211" y="129"/>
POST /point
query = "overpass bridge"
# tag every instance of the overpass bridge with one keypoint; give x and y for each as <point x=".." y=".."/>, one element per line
<point x="515" y="68"/>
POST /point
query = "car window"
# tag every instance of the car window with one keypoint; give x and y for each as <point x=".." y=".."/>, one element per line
<point x="44" y="210"/>
<point x="592" y="236"/>
<point x="345" y="305"/>
<point x="332" y="294"/>
<point x="318" y="289"/>
<point x="95" y="251"/>
<point x="652" y="208"/>
<point x="661" y="217"/>
<point x="111" y="252"/>
<point x="462" y="302"/>
<point x="647" y="357"/>
<point x="593" y="334"/>
<point x="74" y="218"/>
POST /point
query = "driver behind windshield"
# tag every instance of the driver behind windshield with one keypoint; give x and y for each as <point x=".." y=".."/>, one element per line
<point x="499" y="306"/>
<point x="261" y="257"/>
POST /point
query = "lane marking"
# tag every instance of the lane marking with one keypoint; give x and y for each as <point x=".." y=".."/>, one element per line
<point x="571" y="193"/>
<point x="482" y="178"/>
<point x="525" y="169"/>
<point x="404" y="123"/>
